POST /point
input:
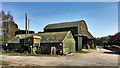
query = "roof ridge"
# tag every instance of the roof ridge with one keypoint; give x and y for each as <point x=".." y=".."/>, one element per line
<point x="66" y="22"/>
<point x="55" y="32"/>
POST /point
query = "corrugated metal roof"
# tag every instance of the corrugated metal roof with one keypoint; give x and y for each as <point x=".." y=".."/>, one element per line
<point x="81" y="24"/>
<point x="64" y="24"/>
<point x="90" y="36"/>
<point x="47" y="37"/>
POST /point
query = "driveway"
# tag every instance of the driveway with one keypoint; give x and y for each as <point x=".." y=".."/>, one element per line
<point x="99" y="57"/>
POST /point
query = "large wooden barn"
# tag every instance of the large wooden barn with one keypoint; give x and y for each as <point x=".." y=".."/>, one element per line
<point x="79" y="29"/>
<point x="57" y="42"/>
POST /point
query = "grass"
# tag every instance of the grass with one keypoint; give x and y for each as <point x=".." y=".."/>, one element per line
<point x="22" y="54"/>
<point x="25" y="54"/>
<point x="81" y="51"/>
<point x="94" y="48"/>
<point x="3" y="62"/>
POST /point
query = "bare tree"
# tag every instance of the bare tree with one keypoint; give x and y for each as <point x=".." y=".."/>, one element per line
<point x="8" y="26"/>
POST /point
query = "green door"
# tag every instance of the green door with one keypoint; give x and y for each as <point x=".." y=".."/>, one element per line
<point x="79" y="43"/>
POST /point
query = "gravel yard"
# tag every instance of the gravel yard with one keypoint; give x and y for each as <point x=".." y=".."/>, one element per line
<point x="99" y="57"/>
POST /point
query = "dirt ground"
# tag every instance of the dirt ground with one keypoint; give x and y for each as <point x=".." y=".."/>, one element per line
<point x="99" y="57"/>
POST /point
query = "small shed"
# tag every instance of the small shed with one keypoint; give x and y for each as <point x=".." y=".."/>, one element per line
<point x="22" y="40"/>
<point x="60" y="42"/>
<point x="13" y="44"/>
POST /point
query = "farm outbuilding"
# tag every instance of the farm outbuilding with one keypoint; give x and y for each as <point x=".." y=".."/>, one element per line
<point x="21" y="42"/>
<point x="63" y="42"/>
<point x="13" y="44"/>
<point x="51" y="42"/>
<point x="79" y="29"/>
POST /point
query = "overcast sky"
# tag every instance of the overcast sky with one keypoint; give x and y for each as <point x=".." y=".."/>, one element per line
<point x="101" y="17"/>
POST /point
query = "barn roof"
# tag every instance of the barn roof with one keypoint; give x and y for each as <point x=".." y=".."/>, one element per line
<point x="64" y="24"/>
<point x="47" y="37"/>
<point x="81" y="24"/>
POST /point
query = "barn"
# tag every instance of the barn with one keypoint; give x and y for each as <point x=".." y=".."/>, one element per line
<point x="79" y="29"/>
<point x="51" y="42"/>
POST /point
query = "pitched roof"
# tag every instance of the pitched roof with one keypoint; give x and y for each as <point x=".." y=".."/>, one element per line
<point x="81" y="24"/>
<point x="47" y="37"/>
<point x="52" y="37"/>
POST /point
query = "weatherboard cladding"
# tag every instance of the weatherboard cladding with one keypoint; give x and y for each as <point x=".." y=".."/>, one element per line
<point x="48" y="37"/>
<point x="81" y="25"/>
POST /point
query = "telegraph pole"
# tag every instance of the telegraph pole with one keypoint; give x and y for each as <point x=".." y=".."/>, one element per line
<point x="26" y="23"/>
<point x="25" y="40"/>
<point x="26" y="29"/>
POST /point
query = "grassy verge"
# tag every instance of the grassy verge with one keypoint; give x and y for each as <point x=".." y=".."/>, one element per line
<point x="3" y="62"/>
<point x="25" y="54"/>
